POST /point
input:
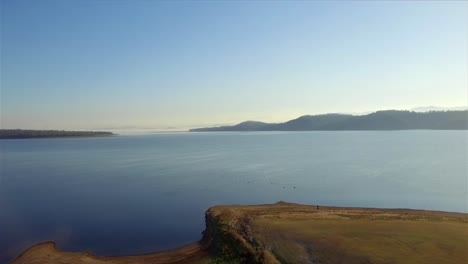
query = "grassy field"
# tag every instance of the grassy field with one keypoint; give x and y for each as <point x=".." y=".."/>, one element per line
<point x="292" y="233"/>
<point x="363" y="240"/>
<point x="305" y="234"/>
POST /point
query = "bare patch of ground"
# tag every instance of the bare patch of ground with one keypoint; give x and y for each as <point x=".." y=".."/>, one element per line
<point x="48" y="253"/>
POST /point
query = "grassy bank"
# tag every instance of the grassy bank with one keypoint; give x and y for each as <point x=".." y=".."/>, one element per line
<point x="292" y="233"/>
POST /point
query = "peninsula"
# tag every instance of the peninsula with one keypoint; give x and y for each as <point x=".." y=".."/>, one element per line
<point x="294" y="233"/>
<point x="26" y="133"/>
<point x="380" y="120"/>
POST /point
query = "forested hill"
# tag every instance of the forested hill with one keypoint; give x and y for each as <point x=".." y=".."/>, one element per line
<point x="380" y="120"/>
<point x="24" y="133"/>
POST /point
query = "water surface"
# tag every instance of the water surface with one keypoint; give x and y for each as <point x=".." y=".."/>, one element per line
<point x="136" y="194"/>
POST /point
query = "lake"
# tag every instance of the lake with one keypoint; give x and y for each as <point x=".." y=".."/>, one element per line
<point x="137" y="194"/>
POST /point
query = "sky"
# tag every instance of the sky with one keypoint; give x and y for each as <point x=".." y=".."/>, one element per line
<point x="128" y="64"/>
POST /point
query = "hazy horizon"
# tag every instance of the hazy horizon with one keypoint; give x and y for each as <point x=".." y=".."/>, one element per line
<point x="149" y="129"/>
<point x="176" y="65"/>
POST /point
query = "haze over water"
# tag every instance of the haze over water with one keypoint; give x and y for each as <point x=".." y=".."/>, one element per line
<point x="135" y="194"/>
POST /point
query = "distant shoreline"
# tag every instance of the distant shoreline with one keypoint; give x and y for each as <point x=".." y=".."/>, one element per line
<point x="26" y="133"/>
<point x="381" y="120"/>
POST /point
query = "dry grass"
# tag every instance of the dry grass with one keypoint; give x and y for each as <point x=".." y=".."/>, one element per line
<point x="292" y="233"/>
<point x="303" y="234"/>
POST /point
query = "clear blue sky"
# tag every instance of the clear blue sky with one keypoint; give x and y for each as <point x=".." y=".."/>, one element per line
<point x="153" y="64"/>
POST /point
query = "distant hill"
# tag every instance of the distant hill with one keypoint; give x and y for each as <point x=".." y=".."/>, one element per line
<point x="24" y="133"/>
<point x="380" y="120"/>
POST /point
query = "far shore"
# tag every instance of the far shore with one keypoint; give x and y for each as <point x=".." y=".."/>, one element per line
<point x="27" y="133"/>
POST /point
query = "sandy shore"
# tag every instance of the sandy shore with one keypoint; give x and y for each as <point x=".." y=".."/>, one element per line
<point x="48" y="253"/>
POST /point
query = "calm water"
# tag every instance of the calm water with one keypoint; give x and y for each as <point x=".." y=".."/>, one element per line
<point x="134" y="194"/>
